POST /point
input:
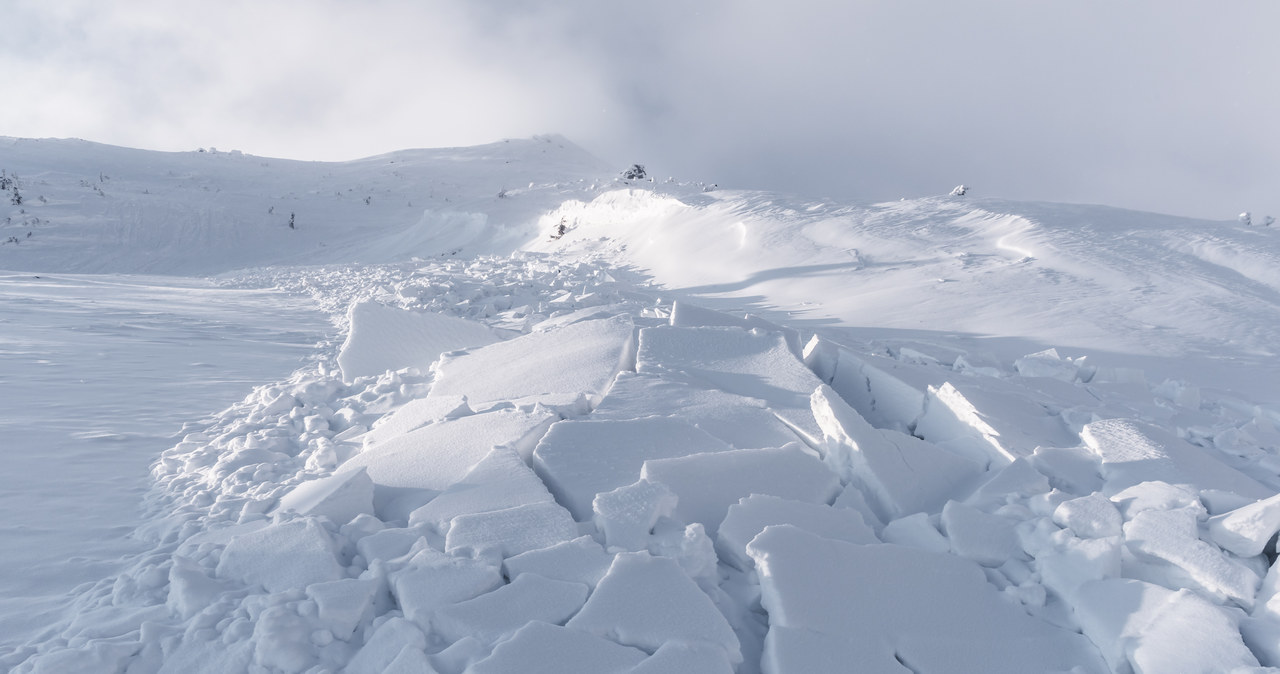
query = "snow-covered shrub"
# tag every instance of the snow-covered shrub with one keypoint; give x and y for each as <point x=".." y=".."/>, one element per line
<point x="959" y="191"/>
<point x="636" y="172"/>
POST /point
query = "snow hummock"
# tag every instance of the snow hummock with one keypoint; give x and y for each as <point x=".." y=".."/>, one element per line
<point x="576" y="423"/>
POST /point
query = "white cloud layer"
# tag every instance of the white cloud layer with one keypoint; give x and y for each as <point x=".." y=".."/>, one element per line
<point x="1144" y="104"/>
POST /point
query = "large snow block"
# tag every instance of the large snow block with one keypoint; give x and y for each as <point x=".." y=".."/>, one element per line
<point x="581" y="560"/>
<point x="501" y="480"/>
<point x="986" y="419"/>
<point x="646" y="601"/>
<point x="685" y="315"/>
<point x="1172" y="536"/>
<point x="899" y="473"/>
<point x="1247" y="530"/>
<point x="439" y="455"/>
<point x="1146" y="628"/>
<point x="281" y="557"/>
<point x="341" y="605"/>
<point x="384" y="338"/>
<point x="626" y="516"/>
<point x="385" y="644"/>
<point x="1133" y="452"/>
<point x="753" y="363"/>
<point x="888" y="393"/>
<point x="750" y="515"/>
<point x="503" y="533"/>
<point x="437" y="580"/>
<point x="495" y="615"/>
<point x="898" y="602"/>
<point x="706" y="485"/>
<point x="541" y="648"/>
<point x="986" y="539"/>
<point x="338" y="497"/>
<point x="579" y="358"/>
<point x="742" y="422"/>
<point x="579" y="459"/>
<point x="415" y="414"/>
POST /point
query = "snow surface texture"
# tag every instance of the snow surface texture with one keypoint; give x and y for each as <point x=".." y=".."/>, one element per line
<point x="834" y="438"/>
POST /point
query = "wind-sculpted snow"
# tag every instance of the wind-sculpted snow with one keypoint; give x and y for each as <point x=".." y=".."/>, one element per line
<point x="543" y="462"/>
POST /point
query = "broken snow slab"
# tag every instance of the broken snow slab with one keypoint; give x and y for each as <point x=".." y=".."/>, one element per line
<point x="1247" y="530"/>
<point x="750" y="515"/>
<point x="755" y="363"/>
<point x="437" y="456"/>
<point x="281" y="557"/>
<point x="626" y="516"/>
<point x="415" y="414"/>
<point x="579" y="358"/>
<point x="740" y="421"/>
<point x="340" y="497"/>
<point x="646" y="601"/>
<point x="886" y="392"/>
<point x="991" y="419"/>
<point x="1142" y="627"/>
<point x="706" y="485"/>
<point x="890" y="605"/>
<point x="542" y="648"/>
<point x="581" y="560"/>
<point x="683" y="657"/>
<point x="1133" y="452"/>
<point x="500" y="480"/>
<point x="436" y="580"/>
<point x="899" y="473"/>
<point x="986" y="539"/>
<point x="685" y="315"/>
<point x="495" y="615"/>
<point x="1171" y="536"/>
<point x="383" y="338"/>
<point x="579" y="459"/>
<point x="499" y="534"/>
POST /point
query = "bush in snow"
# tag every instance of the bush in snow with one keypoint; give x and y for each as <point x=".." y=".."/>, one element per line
<point x="1245" y="218"/>
<point x="959" y="191"/>
<point x="1268" y="221"/>
<point x="636" y="172"/>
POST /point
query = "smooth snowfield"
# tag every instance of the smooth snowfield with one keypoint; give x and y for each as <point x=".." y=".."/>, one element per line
<point x="580" y="423"/>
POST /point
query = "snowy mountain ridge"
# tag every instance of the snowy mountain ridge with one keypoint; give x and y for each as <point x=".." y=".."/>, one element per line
<point x="582" y="422"/>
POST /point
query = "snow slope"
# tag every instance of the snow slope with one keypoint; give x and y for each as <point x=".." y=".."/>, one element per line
<point x="717" y="430"/>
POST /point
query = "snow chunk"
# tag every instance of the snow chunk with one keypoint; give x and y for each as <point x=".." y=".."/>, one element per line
<point x="439" y="455"/>
<point x="1067" y="563"/>
<point x="385" y="645"/>
<point x="1046" y="363"/>
<point x="339" y="497"/>
<point x="1171" y="536"/>
<point x="916" y="531"/>
<point x="895" y="605"/>
<point x="646" y="601"/>
<point x="190" y="588"/>
<point x="539" y="648"/>
<point x="495" y="615"/>
<point x="740" y="421"/>
<point x="753" y="513"/>
<point x="343" y="604"/>
<point x="579" y="459"/>
<point x="383" y="338"/>
<point x="901" y="474"/>
<point x="581" y="560"/>
<point x="437" y="580"/>
<point x="415" y="414"/>
<point x="1015" y="482"/>
<point x="1074" y="470"/>
<point x="1246" y="531"/>
<point x="754" y="363"/>
<point x="1133" y="452"/>
<point x="281" y="556"/>
<point x="707" y="484"/>
<point x="1148" y="628"/>
<point x="685" y="315"/>
<point x="500" y="480"/>
<point x="578" y="358"/>
<point x="627" y="514"/>
<point x="888" y="393"/>
<point x="503" y="533"/>
<point x="679" y="657"/>
<point x="986" y="539"/>
<point x="1092" y="516"/>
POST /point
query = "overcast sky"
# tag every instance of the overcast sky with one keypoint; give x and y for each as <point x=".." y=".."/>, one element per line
<point x="1148" y="104"/>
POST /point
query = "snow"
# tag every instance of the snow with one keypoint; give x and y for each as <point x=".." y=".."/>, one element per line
<point x="699" y="431"/>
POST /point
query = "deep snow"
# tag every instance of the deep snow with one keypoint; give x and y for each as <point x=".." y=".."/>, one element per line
<point x="672" y="429"/>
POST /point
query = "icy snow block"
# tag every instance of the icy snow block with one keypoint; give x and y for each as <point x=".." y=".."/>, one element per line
<point x="916" y="531"/>
<point x="753" y="363"/>
<point x="1133" y="452"/>
<point x="890" y="605"/>
<point x="986" y="539"/>
<point x="1046" y="363"/>
<point x="438" y="580"/>
<point x="646" y="601"/>
<point x="1172" y="536"/>
<point x="439" y="455"/>
<point x="1074" y="470"/>
<point x="706" y="485"/>
<point x="750" y="515"/>
<point x="985" y="419"/>
<point x="1146" y="628"/>
<point x="1246" y="531"/>
<point x="888" y="393"/>
<point x="501" y="480"/>
<point x="540" y="648"/>
<point x="384" y="645"/>
<point x="384" y="338"/>
<point x="682" y="657"/>
<point x="1069" y="563"/>
<point x="1092" y="516"/>
<point x="343" y="604"/>
<point x="626" y="515"/>
<point x="338" y="497"/>
<point x="581" y="560"/>
<point x="503" y="533"/>
<point x="685" y="315"/>
<point x="579" y="459"/>
<point x="415" y="414"/>
<point x="498" y="614"/>
<point x="387" y="544"/>
<point x="740" y="421"/>
<point x="281" y="557"/>
<point x="578" y="358"/>
<point x="900" y="474"/>
<point x="1015" y="482"/>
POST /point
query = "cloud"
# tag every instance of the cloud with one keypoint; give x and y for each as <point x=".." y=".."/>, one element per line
<point x="1137" y="104"/>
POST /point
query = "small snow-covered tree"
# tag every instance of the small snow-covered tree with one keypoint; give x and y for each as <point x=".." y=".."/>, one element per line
<point x="1246" y="218"/>
<point x="16" y="199"/>
<point x="959" y="191"/>
<point x="636" y="172"/>
<point x="1268" y="221"/>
